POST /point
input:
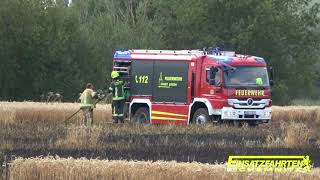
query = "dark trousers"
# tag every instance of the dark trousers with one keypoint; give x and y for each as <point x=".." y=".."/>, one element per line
<point x="117" y="111"/>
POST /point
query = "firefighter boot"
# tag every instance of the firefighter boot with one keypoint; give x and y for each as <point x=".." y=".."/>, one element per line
<point x="115" y="120"/>
<point x="121" y="119"/>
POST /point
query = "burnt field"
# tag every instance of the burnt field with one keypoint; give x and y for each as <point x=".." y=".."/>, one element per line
<point x="206" y="144"/>
<point x="30" y="132"/>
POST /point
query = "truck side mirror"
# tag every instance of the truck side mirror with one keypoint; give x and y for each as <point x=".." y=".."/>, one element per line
<point x="271" y="78"/>
<point x="213" y="71"/>
<point x="271" y="82"/>
<point x="212" y="82"/>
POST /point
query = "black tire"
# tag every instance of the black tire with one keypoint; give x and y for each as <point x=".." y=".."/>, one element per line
<point x="142" y="116"/>
<point x="115" y="121"/>
<point x="201" y="116"/>
<point x="237" y="123"/>
<point x="121" y="120"/>
<point x="253" y="124"/>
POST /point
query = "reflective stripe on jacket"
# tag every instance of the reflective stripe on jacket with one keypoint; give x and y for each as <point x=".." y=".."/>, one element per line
<point x="117" y="90"/>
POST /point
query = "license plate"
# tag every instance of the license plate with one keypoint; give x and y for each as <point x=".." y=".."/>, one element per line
<point x="249" y="113"/>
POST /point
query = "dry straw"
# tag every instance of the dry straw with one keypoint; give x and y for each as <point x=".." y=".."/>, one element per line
<point x="50" y="168"/>
<point x="40" y="122"/>
<point x="292" y="126"/>
<point x="305" y="114"/>
<point x="48" y="113"/>
<point x="56" y="113"/>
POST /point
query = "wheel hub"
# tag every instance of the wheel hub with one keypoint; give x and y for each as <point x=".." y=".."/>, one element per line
<point x="201" y="119"/>
<point x="142" y="118"/>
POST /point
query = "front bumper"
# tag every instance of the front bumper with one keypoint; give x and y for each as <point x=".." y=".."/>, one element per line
<point x="229" y="113"/>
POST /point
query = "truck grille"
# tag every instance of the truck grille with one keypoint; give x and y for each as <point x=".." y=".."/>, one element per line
<point x="248" y="103"/>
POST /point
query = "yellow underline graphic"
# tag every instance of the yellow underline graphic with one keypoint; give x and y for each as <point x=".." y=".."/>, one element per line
<point x="167" y="118"/>
<point x="170" y="114"/>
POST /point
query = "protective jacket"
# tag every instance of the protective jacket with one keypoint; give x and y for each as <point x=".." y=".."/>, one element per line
<point x="87" y="98"/>
<point x="117" y="89"/>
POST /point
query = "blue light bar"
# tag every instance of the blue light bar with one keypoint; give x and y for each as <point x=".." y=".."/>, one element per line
<point x="259" y="59"/>
<point x="221" y="58"/>
<point x="122" y="54"/>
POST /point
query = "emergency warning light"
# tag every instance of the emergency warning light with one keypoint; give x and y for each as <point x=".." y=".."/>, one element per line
<point x="221" y="58"/>
<point x="122" y="54"/>
<point x="259" y="59"/>
<point x="225" y="53"/>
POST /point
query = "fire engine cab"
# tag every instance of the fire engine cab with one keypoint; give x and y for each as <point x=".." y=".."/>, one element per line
<point x="194" y="86"/>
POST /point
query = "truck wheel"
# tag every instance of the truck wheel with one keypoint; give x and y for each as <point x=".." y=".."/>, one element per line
<point x="252" y="124"/>
<point x="237" y="123"/>
<point x="201" y="116"/>
<point x="142" y="116"/>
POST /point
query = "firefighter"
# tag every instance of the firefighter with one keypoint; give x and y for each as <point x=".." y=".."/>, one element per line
<point x="87" y="100"/>
<point x="118" y="99"/>
<point x="259" y="81"/>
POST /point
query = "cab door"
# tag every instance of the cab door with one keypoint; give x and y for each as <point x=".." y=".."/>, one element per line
<point x="211" y="86"/>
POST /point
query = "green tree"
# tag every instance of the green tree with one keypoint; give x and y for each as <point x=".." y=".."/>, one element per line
<point x="47" y="46"/>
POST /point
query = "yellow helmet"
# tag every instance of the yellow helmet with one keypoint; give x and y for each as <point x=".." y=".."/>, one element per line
<point x="114" y="74"/>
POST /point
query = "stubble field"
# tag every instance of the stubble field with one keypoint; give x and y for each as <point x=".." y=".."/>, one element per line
<point x="30" y="129"/>
<point x="51" y="168"/>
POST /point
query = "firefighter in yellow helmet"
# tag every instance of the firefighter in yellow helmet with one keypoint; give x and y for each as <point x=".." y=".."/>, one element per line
<point x="118" y="97"/>
<point x="87" y="98"/>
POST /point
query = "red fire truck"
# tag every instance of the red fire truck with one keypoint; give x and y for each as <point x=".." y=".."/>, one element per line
<point x="194" y="86"/>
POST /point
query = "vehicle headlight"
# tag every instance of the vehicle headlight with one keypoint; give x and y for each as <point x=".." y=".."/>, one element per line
<point x="267" y="113"/>
<point x="268" y="103"/>
<point x="230" y="102"/>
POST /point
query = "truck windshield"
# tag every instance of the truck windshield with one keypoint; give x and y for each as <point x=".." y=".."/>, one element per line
<point x="246" y="76"/>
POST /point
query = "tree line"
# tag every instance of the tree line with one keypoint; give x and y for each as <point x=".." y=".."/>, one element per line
<point x="48" y="46"/>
